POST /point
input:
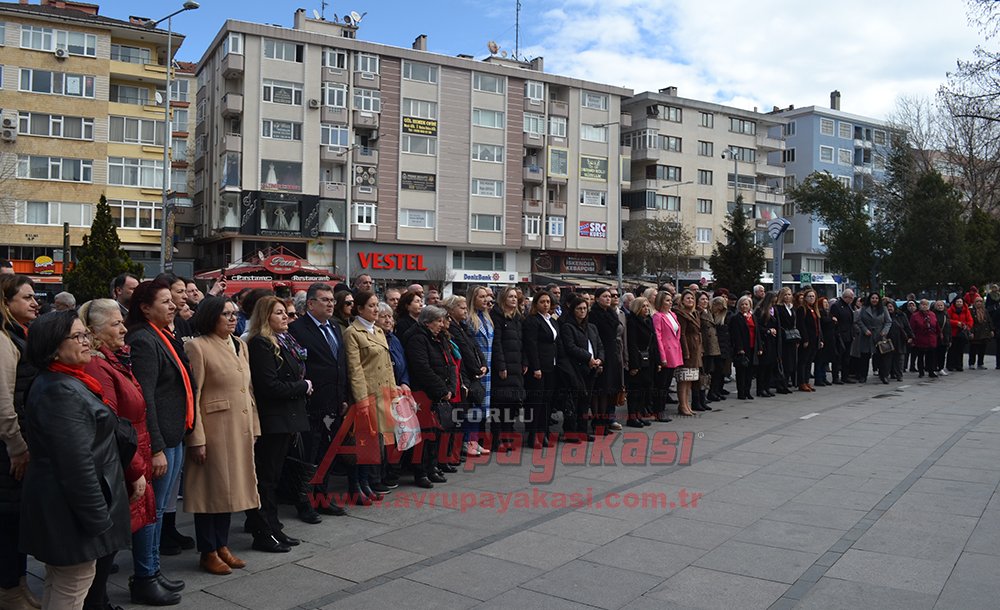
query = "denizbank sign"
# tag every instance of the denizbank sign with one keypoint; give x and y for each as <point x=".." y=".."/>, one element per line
<point x="488" y="277"/>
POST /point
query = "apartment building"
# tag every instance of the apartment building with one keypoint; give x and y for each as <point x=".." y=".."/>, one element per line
<point x="455" y="171"/>
<point x="850" y="147"/>
<point x="80" y="119"/>
<point x="689" y="161"/>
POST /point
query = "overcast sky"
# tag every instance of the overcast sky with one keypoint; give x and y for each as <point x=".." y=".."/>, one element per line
<point x="762" y="53"/>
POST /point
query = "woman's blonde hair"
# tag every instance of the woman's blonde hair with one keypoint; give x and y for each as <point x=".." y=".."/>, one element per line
<point x="95" y="314"/>
<point x="661" y="298"/>
<point x="638" y="304"/>
<point x="259" y="324"/>
<point x="473" y="320"/>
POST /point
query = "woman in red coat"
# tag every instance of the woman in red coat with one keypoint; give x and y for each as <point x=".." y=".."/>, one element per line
<point x="925" y="338"/>
<point x="961" y="327"/>
<point x="110" y="367"/>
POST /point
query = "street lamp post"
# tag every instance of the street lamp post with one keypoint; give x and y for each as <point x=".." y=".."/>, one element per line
<point x="347" y="209"/>
<point x="619" y="206"/>
<point x="166" y="229"/>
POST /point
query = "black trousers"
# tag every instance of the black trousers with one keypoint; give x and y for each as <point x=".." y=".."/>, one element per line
<point x="806" y="356"/>
<point x="538" y="402"/>
<point x="941" y="356"/>
<point x="956" y="351"/>
<point x="269" y="456"/>
<point x="789" y="361"/>
<point x="574" y="408"/>
<point x="661" y="389"/>
<point x="714" y="367"/>
<point x="13" y="565"/>
<point x="211" y="531"/>
<point x="97" y="596"/>
<point x="744" y="377"/>
<point x="841" y="359"/>
<point x="926" y="359"/>
<point x="640" y="392"/>
<point x="861" y="365"/>
<point x="766" y="374"/>
<point x="977" y="353"/>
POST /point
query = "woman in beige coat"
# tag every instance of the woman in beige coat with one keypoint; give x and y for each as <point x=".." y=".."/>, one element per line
<point x="219" y="476"/>
<point x="369" y="371"/>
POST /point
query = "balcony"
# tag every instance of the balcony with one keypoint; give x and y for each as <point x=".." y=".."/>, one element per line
<point x="143" y="72"/>
<point x="645" y="154"/>
<point x="365" y="156"/>
<point x="365" y="232"/>
<point x="232" y="66"/>
<point x="367" y="80"/>
<point x="774" y="171"/>
<point x="230" y="143"/>
<point x="330" y="114"/>
<point x="332" y="154"/>
<point x="556" y="207"/>
<point x="232" y="105"/>
<point x="557" y="108"/>
<point x="859" y="143"/>
<point x="333" y="190"/>
<point x="766" y="194"/>
<point x="766" y="143"/>
<point x="335" y="75"/>
<point x="558" y="179"/>
<point x="534" y="174"/>
<point x="365" y="193"/>
<point x="532" y="206"/>
<point x="534" y="106"/>
<point x="533" y="140"/>
<point x="364" y="119"/>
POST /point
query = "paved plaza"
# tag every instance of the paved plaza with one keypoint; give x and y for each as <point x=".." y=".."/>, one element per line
<point x="867" y="496"/>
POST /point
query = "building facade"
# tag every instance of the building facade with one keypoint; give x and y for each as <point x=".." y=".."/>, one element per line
<point x="690" y="160"/>
<point x="405" y="164"/>
<point x="81" y="119"/>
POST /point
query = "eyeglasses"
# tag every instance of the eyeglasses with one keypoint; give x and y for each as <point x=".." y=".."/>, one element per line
<point x="82" y="338"/>
<point x="325" y="300"/>
<point x="348" y="302"/>
<point x="229" y="315"/>
<point x="292" y="314"/>
<point x="614" y="295"/>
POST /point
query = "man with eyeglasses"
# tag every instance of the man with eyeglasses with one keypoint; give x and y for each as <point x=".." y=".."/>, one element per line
<point x="326" y="365"/>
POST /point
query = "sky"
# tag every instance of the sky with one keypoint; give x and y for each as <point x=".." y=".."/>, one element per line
<point x="748" y="54"/>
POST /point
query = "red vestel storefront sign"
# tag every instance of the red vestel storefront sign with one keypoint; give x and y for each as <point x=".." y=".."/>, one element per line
<point x="391" y="261"/>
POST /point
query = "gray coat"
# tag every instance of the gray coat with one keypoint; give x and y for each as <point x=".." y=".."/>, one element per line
<point x="878" y="323"/>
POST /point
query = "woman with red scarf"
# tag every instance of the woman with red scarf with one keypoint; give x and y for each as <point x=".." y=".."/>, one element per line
<point x="75" y="505"/>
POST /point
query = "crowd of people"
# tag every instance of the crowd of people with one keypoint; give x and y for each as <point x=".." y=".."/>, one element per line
<point x="110" y="412"/>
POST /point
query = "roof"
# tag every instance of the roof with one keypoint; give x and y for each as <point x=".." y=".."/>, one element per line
<point x="96" y="21"/>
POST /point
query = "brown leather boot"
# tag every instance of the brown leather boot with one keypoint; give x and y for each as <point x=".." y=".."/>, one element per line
<point x="231" y="560"/>
<point x="211" y="563"/>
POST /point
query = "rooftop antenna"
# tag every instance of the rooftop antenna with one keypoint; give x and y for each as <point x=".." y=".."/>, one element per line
<point x="517" y="31"/>
<point x="322" y="6"/>
<point x="493" y="47"/>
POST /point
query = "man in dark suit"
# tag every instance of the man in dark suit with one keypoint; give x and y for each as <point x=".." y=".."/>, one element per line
<point x="842" y="313"/>
<point x="326" y="366"/>
<point x="121" y="291"/>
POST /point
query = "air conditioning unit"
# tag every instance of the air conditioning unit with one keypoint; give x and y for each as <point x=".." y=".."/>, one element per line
<point x="314" y="104"/>
<point x="8" y="135"/>
<point x="373" y="137"/>
<point x="8" y="123"/>
<point x="61" y="53"/>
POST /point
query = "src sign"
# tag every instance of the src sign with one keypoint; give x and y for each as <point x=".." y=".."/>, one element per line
<point x="593" y="229"/>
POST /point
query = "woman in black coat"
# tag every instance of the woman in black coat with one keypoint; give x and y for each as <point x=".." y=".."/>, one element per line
<point x="828" y="332"/>
<point x="643" y="360"/>
<point x="807" y="320"/>
<point x="277" y="370"/>
<point x="579" y="360"/>
<point x="75" y="504"/>
<point x="608" y="383"/>
<point x="508" y="367"/>
<point x="768" y="348"/>
<point x="743" y="337"/>
<point x="540" y="341"/>
<point x="788" y="325"/>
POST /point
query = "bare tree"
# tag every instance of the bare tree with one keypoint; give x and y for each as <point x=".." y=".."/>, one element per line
<point x="9" y="187"/>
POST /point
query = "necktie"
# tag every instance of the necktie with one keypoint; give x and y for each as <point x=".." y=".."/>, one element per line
<point x="330" y="338"/>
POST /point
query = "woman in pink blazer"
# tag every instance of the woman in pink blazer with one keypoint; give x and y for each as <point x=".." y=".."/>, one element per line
<point x="668" y="339"/>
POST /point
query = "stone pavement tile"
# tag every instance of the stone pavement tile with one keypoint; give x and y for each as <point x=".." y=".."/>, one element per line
<point x="644" y="555"/>
<point x="903" y="533"/>
<point x="921" y="575"/>
<point x="336" y="531"/>
<point x="688" y="532"/>
<point x="872" y="467"/>
<point x="537" y="550"/>
<point x="585" y="527"/>
<point x="836" y="594"/>
<point x="828" y="496"/>
<point x="716" y="511"/>
<point x="823" y="457"/>
<point x="474" y="575"/>
<point x="285" y="586"/>
<point x="779" y="482"/>
<point x="775" y="444"/>
<point x="403" y="593"/>
<point x="190" y="600"/>
<point x="429" y="538"/>
<point x="700" y="588"/>
<point x="794" y="536"/>
<point x="748" y="457"/>
<point x="592" y="584"/>
<point x="985" y="539"/>
<point x="964" y="489"/>
<point x="733" y="470"/>
<point x="361" y="561"/>
<point x="400" y="512"/>
<point x="960" y="473"/>
<point x="705" y="475"/>
<point x="649" y="603"/>
<point x="487" y="521"/>
<point x="747" y="493"/>
<point x="522" y="598"/>
<point x="792" y="467"/>
<point x="940" y="503"/>
<point x="754" y="560"/>
<point x="970" y="458"/>
<point x="973" y="583"/>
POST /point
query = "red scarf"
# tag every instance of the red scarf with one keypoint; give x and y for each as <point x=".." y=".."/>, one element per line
<point x="78" y="372"/>
<point x="188" y="393"/>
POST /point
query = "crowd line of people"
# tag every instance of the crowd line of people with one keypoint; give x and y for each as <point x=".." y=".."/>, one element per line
<point x="109" y="412"/>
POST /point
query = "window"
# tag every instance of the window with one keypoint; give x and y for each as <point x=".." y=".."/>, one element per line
<point x="124" y="94"/>
<point x="486" y="222"/>
<point x="813" y="265"/>
<point x="334" y="58"/>
<point x="826" y="127"/>
<point x="788" y="155"/>
<point x="234" y="43"/>
<point x="706" y="119"/>
<point x="534" y="124"/>
<point x="479" y="261"/>
<point x="281" y="130"/>
<point x="178" y="150"/>
<point x="558" y="162"/>
<point x="334" y="96"/>
<point x="364" y="213"/>
<point x="489" y="83"/>
<point x="846" y="131"/>
<point x="55" y="168"/>
<point x="487" y="152"/>
<point x="200" y="111"/>
<point x="128" y="130"/>
<point x="487" y="188"/>
<point x="663" y="172"/>
<point x="592" y="197"/>
<point x="534" y="90"/>
<point x="845" y="181"/>
<point x="789" y="236"/>
<point x="556" y="226"/>
<point x="282" y="51"/>
<point x="789" y="128"/>
<point x="3" y="33"/>
<point x="367" y="99"/>
<point x="597" y="101"/>
<point x="747" y="155"/>
<point x="789" y="182"/>
<point x="146" y="173"/>
<point x="671" y="143"/>
<point x="845" y="156"/>
<point x="703" y="235"/>
<point x="670" y="203"/>
<point x="557" y="126"/>
<point x="420" y="108"/>
<point x="282" y="92"/>
<point x="418" y="145"/>
<point x="54" y="213"/>
<point x="705" y="149"/>
<point x="180" y="119"/>
<point x="47" y="39"/>
<point x="826" y="154"/>
<point x="278" y="175"/>
<point x="704" y="206"/>
<point x="532" y="224"/>
<point x="705" y="176"/>
<point x="333" y="135"/>
<point x="420" y="72"/>
<point x="56" y="83"/>
<point x="364" y="62"/>
<point x="135" y="214"/>
<point x="132" y="55"/>
<point x="488" y="118"/>
<point x="179" y="90"/>
<point x="879" y="162"/>
<point x="879" y="137"/>
<point x="742" y="126"/>
<point x="593" y="133"/>
<point x="417" y="219"/>
<point x="824" y="235"/>
<point x="672" y="114"/>
<point x="37" y="212"/>
<point x="37" y="38"/>
<point x="55" y="126"/>
<point x="179" y="180"/>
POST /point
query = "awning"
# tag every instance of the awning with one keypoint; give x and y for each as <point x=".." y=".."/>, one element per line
<point x="576" y="280"/>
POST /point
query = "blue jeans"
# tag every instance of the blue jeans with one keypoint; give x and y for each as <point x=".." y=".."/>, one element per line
<point x="145" y="554"/>
<point x="162" y="488"/>
<point x="472" y="422"/>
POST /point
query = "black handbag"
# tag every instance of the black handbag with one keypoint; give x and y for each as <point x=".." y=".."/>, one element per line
<point x="742" y="361"/>
<point x="643" y="359"/>
<point x="126" y="439"/>
<point x="792" y="334"/>
<point x="475" y="393"/>
<point x="445" y="414"/>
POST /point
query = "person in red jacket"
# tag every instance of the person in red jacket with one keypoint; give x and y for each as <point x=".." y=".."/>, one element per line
<point x="923" y="322"/>
<point x="961" y="325"/>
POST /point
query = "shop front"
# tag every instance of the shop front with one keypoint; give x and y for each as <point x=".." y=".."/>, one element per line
<point x="277" y="269"/>
<point x="571" y="269"/>
<point x="395" y="264"/>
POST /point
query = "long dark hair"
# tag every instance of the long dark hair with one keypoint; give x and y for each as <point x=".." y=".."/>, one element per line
<point x="144" y="294"/>
<point x="10" y="285"/>
<point x="763" y="311"/>
<point x="47" y="334"/>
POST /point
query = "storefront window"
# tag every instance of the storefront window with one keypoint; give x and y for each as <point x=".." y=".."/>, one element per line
<point x="280" y="175"/>
<point x="331" y="216"/>
<point x="280" y="216"/>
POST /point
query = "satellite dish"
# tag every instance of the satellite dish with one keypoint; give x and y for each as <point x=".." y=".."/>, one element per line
<point x="316" y="14"/>
<point x="347" y="19"/>
<point x="493" y="47"/>
<point x="159" y="98"/>
<point x="503" y="54"/>
<point x="356" y="18"/>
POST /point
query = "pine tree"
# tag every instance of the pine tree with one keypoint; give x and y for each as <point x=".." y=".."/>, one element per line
<point x="100" y="259"/>
<point x="737" y="263"/>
